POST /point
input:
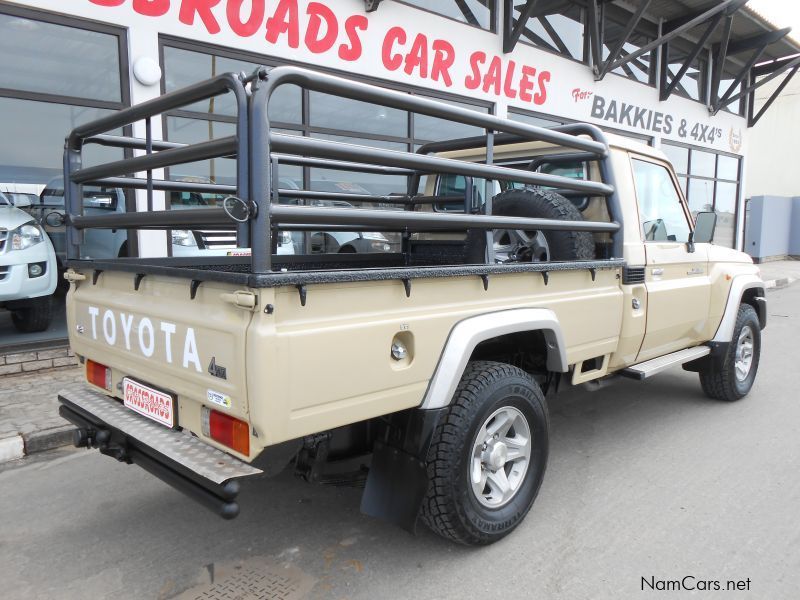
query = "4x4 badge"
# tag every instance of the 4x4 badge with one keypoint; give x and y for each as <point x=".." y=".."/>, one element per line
<point x="217" y="371"/>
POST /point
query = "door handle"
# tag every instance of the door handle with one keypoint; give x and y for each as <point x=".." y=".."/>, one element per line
<point x="657" y="272"/>
<point x="241" y="299"/>
<point x="695" y="271"/>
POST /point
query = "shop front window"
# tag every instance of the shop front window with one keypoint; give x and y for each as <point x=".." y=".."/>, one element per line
<point x="615" y="23"/>
<point x="561" y="32"/>
<point x="710" y="182"/>
<point x="55" y="75"/>
<point x="727" y="79"/>
<point x="473" y="12"/>
<point x="693" y="83"/>
<point x="309" y="114"/>
<point x="48" y="58"/>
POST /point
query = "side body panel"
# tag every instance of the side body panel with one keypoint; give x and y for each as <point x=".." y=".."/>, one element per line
<point x="328" y="364"/>
<point x="678" y="298"/>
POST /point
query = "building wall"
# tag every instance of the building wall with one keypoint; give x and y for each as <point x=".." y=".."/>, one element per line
<point x="773" y="227"/>
<point x="399" y="43"/>
<point x="772" y="154"/>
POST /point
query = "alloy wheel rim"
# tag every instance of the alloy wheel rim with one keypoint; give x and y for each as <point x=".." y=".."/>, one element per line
<point x="500" y="457"/>
<point x="743" y="361"/>
<point x="518" y="245"/>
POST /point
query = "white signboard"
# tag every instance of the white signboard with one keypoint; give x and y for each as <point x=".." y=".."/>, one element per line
<point x="402" y="44"/>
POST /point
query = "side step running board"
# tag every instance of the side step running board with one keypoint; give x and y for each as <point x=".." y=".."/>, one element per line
<point x="656" y="365"/>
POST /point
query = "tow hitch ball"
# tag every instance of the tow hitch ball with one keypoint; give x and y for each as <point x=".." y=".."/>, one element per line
<point x="90" y="438"/>
<point x="100" y="438"/>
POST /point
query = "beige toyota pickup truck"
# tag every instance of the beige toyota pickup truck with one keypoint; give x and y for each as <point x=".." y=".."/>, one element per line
<point x="527" y="259"/>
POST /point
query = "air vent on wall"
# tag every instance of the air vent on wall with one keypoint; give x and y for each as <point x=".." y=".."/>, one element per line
<point x="633" y="275"/>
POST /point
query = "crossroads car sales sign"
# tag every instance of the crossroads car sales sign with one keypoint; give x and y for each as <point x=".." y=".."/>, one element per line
<point x="402" y="44"/>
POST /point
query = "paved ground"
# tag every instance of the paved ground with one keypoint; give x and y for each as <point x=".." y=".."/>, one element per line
<point x="782" y="272"/>
<point x="645" y="480"/>
<point x="29" y="408"/>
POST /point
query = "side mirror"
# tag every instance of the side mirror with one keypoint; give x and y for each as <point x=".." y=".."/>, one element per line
<point x="704" y="225"/>
<point x="54" y="219"/>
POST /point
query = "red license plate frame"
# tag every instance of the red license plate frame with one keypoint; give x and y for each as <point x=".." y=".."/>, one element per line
<point x="156" y="405"/>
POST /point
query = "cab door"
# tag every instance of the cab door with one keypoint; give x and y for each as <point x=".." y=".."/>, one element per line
<point x="676" y="273"/>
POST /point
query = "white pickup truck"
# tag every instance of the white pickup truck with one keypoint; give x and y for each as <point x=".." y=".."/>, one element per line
<point x="28" y="271"/>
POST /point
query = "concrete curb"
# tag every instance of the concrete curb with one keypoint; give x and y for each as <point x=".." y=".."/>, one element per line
<point x="11" y="448"/>
<point x="41" y="441"/>
<point x="19" y="446"/>
<point x="781" y="282"/>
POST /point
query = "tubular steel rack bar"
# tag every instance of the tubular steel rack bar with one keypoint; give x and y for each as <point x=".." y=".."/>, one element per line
<point x="325" y="148"/>
<point x="165" y="158"/>
<point x="313" y="195"/>
<point x="158" y="219"/>
<point x="259" y="152"/>
<point x="119" y="141"/>
<point x="164" y="185"/>
<point x="264" y="141"/>
<point x="338" y="165"/>
<point x="424" y="221"/>
<point x="97" y="132"/>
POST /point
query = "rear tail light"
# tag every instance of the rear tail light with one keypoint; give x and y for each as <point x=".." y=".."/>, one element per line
<point x="99" y="375"/>
<point x="227" y="430"/>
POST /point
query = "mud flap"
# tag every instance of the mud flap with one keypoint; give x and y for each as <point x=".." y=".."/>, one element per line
<point x="398" y="475"/>
<point x="396" y="485"/>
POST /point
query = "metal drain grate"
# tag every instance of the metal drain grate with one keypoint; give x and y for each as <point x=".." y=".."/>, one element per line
<point x="254" y="582"/>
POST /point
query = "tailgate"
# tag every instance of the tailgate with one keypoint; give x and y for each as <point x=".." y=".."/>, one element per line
<point x="160" y="337"/>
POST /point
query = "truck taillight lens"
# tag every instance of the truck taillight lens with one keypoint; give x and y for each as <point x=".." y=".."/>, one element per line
<point x="227" y="430"/>
<point x="99" y="375"/>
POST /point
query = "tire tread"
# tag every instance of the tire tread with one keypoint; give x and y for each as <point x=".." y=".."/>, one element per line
<point x="439" y="511"/>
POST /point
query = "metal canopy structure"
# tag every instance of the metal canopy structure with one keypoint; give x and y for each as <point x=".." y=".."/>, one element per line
<point x="744" y="48"/>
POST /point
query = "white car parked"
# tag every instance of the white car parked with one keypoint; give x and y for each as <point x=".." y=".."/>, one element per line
<point x="28" y="270"/>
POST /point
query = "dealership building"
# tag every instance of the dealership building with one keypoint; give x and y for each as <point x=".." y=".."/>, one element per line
<point x="679" y="75"/>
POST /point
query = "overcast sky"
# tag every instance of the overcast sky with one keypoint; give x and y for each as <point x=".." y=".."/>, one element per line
<point x="783" y="13"/>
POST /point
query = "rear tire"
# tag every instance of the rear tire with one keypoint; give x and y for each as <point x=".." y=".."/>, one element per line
<point x="33" y="317"/>
<point x="733" y="378"/>
<point x="482" y="484"/>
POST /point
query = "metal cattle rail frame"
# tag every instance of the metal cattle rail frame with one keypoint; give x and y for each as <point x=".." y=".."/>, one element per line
<point x="260" y="152"/>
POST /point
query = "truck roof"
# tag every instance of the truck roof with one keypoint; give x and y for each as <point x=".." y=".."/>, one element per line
<point x="506" y="152"/>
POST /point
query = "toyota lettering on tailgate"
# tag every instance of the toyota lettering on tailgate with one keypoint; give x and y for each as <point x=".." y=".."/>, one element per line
<point x="143" y="334"/>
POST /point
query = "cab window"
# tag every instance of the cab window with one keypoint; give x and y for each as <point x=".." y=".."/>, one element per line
<point x="660" y="209"/>
<point x="456" y="185"/>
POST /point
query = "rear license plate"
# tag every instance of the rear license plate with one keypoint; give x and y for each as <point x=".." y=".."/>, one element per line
<point x="149" y="402"/>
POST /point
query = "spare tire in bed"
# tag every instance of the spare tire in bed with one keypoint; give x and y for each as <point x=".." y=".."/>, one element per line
<point x="538" y="246"/>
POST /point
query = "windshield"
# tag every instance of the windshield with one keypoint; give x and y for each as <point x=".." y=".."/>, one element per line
<point x="16" y="197"/>
<point x="178" y="200"/>
<point x="4" y="201"/>
<point x="93" y="197"/>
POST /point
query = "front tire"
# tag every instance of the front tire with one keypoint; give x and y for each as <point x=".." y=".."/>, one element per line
<point x="488" y="455"/>
<point x="34" y="316"/>
<point x="733" y="378"/>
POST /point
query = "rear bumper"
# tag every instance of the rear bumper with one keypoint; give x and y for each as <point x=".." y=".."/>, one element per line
<point x="202" y="472"/>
